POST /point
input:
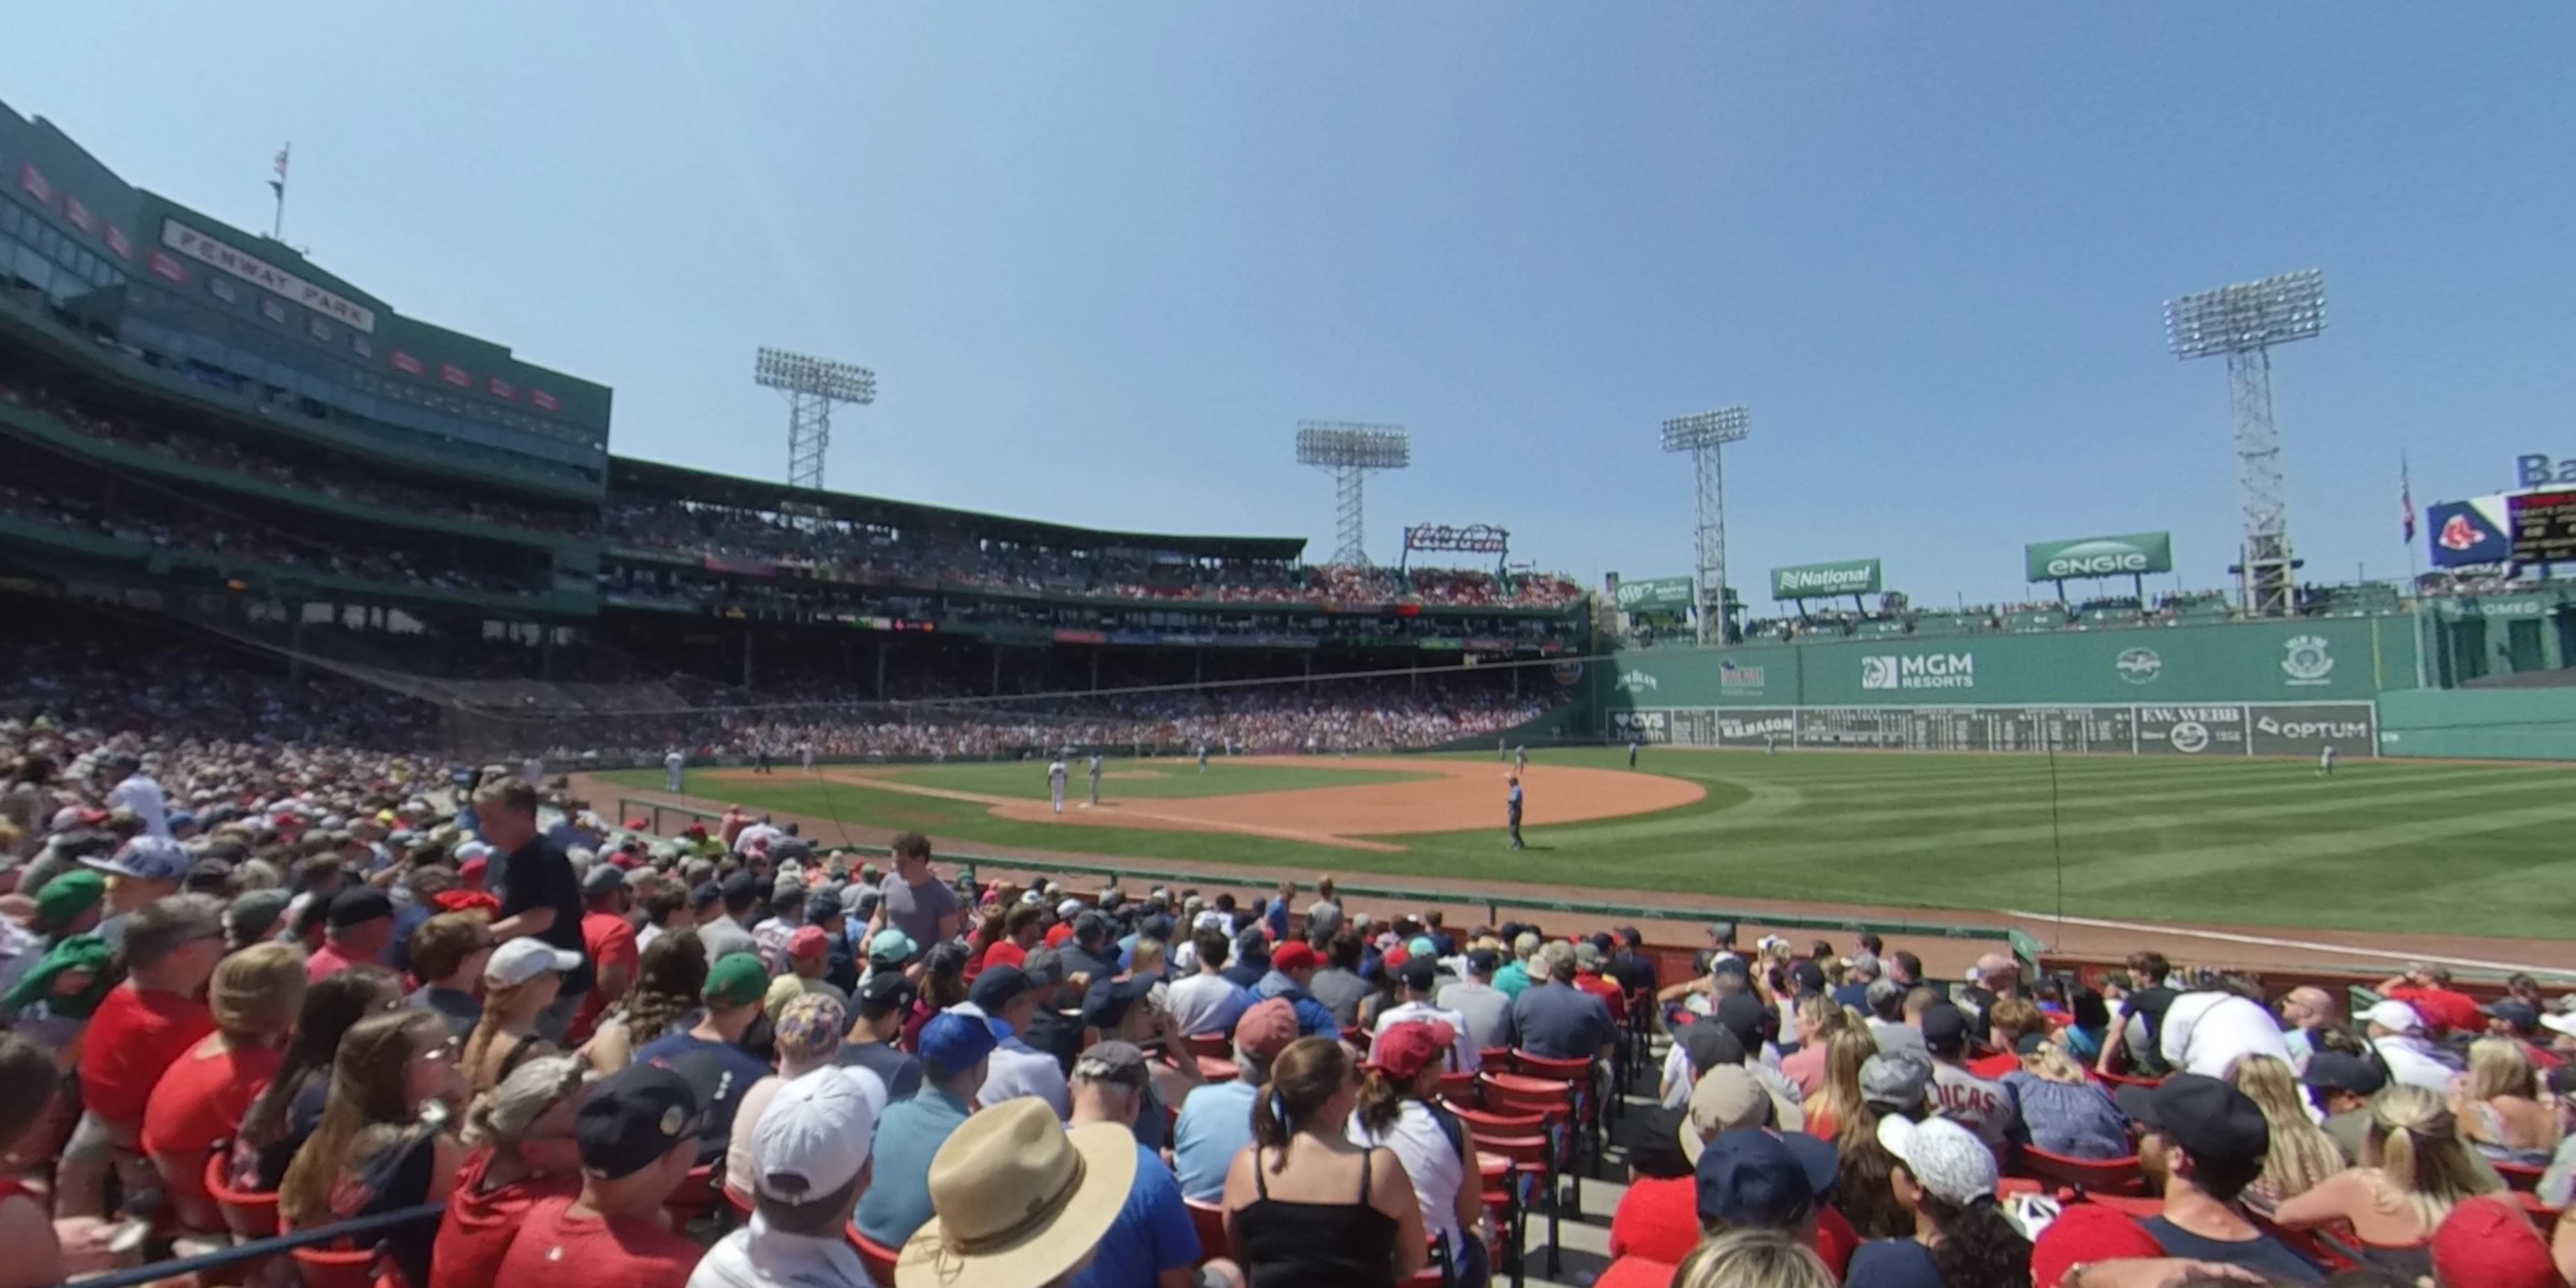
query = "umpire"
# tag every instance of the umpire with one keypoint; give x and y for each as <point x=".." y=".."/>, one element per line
<point x="1512" y="809"/>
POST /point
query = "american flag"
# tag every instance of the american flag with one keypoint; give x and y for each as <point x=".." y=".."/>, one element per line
<point x="278" y="184"/>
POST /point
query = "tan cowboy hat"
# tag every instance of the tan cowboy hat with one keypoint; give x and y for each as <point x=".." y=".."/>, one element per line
<point x="1019" y="1200"/>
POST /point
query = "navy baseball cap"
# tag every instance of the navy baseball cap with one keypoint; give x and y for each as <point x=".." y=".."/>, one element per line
<point x="1743" y="1015"/>
<point x="2341" y="1071"/>
<point x="2205" y="1116"/>
<point x="633" y="1118"/>
<point x="1419" y="973"/>
<point x="1945" y="1030"/>
<point x="1753" y="1176"/>
<point x="998" y="987"/>
<point x="706" y="894"/>
<point x="1111" y="999"/>
<point x="2518" y="1015"/>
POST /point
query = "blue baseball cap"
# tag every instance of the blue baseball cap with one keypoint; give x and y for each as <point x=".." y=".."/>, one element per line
<point x="952" y="1042"/>
<point x="1755" y="1177"/>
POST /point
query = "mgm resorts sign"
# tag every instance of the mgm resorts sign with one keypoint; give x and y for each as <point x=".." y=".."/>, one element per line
<point x="1919" y="671"/>
<point x="2120" y="556"/>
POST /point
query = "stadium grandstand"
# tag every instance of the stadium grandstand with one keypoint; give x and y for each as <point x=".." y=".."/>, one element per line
<point x="325" y="959"/>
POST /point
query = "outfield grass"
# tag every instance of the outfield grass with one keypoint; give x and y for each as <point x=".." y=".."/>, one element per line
<point x="2436" y="848"/>
<point x="1166" y="778"/>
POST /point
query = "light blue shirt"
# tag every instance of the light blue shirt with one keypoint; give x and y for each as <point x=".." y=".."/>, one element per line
<point x="1216" y="1124"/>
<point x="909" y="1134"/>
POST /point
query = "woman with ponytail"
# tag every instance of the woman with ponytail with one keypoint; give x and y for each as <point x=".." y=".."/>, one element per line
<point x="1945" y="1176"/>
<point x="519" y="1152"/>
<point x="1305" y="1206"/>
<point x="2414" y="1170"/>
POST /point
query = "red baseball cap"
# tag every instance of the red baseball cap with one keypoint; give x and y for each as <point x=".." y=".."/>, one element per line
<point x="1406" y="1049"/>
<point x="1294" y="955"/>
<point x="472" y="870"/>
<point x="2087" y="1232"/>
<point x="1396" y="957"/>
<point x="2490" y="1242"/>
<point x="808" y="941"/>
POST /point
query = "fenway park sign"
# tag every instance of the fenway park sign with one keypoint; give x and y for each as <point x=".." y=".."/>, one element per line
<point x="277" y="281"/>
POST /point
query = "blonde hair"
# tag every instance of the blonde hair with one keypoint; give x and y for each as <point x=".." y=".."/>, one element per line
<point x="2301" y="1153"/>
<point x="2499" y="1067"/>
<point x="497" y="1003"/>
<point x="256" y="993"/>
<point x="1148" y="956"/>
<point x="2051" y="1063"/>
<point x="1752" y="1259"/>
<point x="2016" y="1016"/>
<point x="1846" y="1049"/>
<point x="1823" y="1014"/>
<point x="2414" y="1143"/>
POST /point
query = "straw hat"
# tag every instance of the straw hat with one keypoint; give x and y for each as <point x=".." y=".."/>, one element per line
<point x="1019" y="1200"/>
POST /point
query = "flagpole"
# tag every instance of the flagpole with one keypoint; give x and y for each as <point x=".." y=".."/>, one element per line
<point x="2406" y="488"/>
<point x="277" y="228"/>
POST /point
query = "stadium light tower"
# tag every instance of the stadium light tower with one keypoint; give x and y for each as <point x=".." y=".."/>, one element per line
<point x="2244" y="322"/>
<point x="812" y="385"/>
<point x="1349" y="452"/>
<point x="1703" y="436"/>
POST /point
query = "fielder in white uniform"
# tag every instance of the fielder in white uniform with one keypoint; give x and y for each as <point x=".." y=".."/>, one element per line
<point x="1095" y="781"/>
<point x="1055" y="782"/>
<point x="806" y="750"/>
<point x="672" y="760"/>
<point x="2325" y="762"/>
<point x="1202" y="758"/>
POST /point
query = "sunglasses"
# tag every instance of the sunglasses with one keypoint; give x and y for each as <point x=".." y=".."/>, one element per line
<point x="444" y="1053"/>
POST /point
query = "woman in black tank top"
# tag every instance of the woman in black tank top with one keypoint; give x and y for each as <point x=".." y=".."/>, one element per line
<point x="1303" y="1205"/>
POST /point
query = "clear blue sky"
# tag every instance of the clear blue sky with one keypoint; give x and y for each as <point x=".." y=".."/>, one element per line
<point x="1103" y="257"/>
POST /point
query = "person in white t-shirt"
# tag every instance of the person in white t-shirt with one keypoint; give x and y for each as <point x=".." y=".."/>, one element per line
<point x="1419" y="976"/>
<point x="137" y="791"/>
<point x="1207" y="1002"/>
<point x="2204" y="1033"/>
<point x="2396" y="1032"/>
<point x="1395" y="1113"/>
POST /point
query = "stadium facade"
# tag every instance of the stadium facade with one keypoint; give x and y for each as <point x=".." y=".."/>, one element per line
<point x="210" y="429"/>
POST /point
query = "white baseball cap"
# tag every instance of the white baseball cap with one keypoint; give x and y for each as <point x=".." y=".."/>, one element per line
<point x="523" y="959"/>
<point x="814" y="1137"/>
<point x="2559" y="1022"/>
<point x="1069" y="909"/>
<point x="1945" y="1158"/>
<point x="2394" y="1016"/>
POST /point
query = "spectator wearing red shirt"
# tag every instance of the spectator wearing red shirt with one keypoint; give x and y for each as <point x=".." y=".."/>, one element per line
<point x="2426" y="986"/>
<point x="638" y="1136"/>
<point x="1021" y="929"/>
<point x="138" y="1032"/>
<point x="200" y="1101"/>
<point x="1588" y="977"/>
<point x="1658" y="1218"/>
<point x="608" y="937"/>
<point x="520" y="1152"/>
<point x="361" y="928"/>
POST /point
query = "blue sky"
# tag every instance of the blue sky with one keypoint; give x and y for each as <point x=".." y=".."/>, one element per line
<point x="1104" y="257"/>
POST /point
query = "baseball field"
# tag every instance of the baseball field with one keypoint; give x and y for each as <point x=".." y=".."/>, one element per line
<point x="2381" y="846"/>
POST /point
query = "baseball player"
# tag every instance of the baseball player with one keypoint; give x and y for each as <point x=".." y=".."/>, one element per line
<point x="672" y="761"/>
<point x="1520" y="759"/>
<point x="1095" y="782"/>
<point x="2325" y="762"/>
<point x="1632" y="751"/>
<point x="1502" y="749"/>
<point x="760" y="758"/>
<point x="1055" y="782"/>
<point x="534" y="770"/>
<point x="1770" y="744"/>
<point x="1202" y="758"/>
<point x="805" y="752"/>
<point x="1512" y="810"/>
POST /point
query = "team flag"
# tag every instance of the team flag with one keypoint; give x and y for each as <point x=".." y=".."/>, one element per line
<point x="278" y="184"/>
<point x="2405" y="500"/>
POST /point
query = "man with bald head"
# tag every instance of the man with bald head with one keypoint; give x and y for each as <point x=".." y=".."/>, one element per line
<point x="2304" y="1010"/>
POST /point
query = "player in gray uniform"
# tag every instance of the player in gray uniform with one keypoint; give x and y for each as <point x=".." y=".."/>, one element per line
<point x="805" y="751"/>
<point x="1095" y="781"/>
<point x="1202" y="758"/>
<point x="672" y="761"/>
<point x="2325" y="762"/>
<point x="1632" y="753"/>
<point x="1512" y="810"/>
<point x="1520" y="760"/>
<point x="1055" y="782"/>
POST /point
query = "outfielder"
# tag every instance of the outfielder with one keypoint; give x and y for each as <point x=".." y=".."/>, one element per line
<point x="2325" y="762"/>
<point x="1632" y="752"/>
<point x="672" y="761"/>
<point x="1055" y="782"/>
<point x="1202" y="758"/>
<point x="1095" y="782"/>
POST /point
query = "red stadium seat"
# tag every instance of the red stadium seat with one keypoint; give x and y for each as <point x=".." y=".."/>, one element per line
<point x="878" y="1258"/>
<point x="1208" y="1046"/>
<point x="2521" y="1178"/>
<point x="2091" y="1176"/>
<point x="697" y="1196"/>
<point x="1209" y="1220"/>
<point x="326" y="1268"/>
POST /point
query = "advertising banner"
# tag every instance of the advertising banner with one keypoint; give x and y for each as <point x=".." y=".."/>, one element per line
<point x="2191" y="731"/>
<point x="1825" y="580"/>
<point x="2463" y="533"/>
<point x="2120" y="556"/>
<point x="2232" y="729"/>
<point x="2306" y="730"/>
<point x="1653" y="594"/>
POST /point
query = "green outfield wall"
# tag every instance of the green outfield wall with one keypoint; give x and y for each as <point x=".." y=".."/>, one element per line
<point x="2487" y="724"/>
<point x="2236" y="688"/>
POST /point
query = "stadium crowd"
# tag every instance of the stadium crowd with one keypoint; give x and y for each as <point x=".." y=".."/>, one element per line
<point x="250" y="977"/>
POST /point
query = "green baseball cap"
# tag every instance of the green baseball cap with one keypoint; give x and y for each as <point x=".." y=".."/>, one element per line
<point x="68" y="896"/>
<point x="737" y="979"/>
<point x="892" y="947"/>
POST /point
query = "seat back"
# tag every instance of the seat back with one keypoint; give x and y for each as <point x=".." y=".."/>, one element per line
<point x="1458" y="1086"/>
<point x="697" y="1195"/>
<point x="2094" y="1176"/>
<point x="1512" y="1093"/>
<point x="330" y="1268"/>
<point x="2521" y="1178"/>
<point x="1208" y="1046"/>
<point x="248" y="1214"/>
<point x="1209" y="1220"/>
<point x="1576" y="1070"/>
<point x="1481" y="1123"/>
<point x="878" y="1258"/>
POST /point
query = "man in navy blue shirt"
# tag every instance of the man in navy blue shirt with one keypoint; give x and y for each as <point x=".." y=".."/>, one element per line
<point x="2205" y="1141"/>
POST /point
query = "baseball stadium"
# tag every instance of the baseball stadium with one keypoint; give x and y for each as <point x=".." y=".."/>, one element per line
<point x="336" y="581"/>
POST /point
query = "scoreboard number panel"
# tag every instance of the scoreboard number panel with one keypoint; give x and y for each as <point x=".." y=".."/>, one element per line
<point x="2544" y="526"/>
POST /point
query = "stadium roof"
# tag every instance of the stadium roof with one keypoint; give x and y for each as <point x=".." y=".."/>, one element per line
<point x="629" y="476"/>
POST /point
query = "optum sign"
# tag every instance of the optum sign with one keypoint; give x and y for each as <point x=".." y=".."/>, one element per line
<point x="1825" y="580"/>
<point x="2136" y="553"/>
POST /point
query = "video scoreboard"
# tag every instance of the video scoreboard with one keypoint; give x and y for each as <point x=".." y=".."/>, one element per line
<point x="2543" y="526"/>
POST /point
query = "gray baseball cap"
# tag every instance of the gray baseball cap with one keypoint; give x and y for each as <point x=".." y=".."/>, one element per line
<point x="1895" y="1080"/>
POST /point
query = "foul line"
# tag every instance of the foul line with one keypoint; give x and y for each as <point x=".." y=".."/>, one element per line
<point x="2267" y="941"/>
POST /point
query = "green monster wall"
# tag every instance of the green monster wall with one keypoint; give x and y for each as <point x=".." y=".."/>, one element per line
<point x="2265" y="688"/>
